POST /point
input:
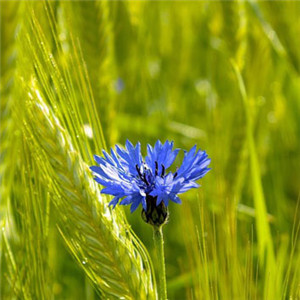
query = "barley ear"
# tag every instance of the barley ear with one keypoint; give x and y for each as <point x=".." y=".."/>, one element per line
<point x="98" y="237"/>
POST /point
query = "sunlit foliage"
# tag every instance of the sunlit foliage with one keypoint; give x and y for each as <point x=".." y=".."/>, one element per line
<point x="81" y="76"/>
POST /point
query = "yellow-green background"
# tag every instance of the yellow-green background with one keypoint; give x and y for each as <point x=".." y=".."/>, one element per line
<point x="224" y="75"/>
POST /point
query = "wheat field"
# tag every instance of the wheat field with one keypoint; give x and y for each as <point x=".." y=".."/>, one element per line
<point x="81" y="76"/>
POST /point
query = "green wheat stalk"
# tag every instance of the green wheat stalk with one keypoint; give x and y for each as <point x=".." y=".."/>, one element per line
<point x="100" y="239"/>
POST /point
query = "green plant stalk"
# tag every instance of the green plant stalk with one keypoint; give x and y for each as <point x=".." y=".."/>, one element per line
<point x="159" y="247"/>
<point x="103" y="244"/>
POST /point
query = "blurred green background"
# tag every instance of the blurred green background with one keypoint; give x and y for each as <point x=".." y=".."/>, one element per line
<point x="220" y="74"/>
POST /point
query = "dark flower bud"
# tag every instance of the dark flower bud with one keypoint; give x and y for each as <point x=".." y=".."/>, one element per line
<point x="155" y="215"/>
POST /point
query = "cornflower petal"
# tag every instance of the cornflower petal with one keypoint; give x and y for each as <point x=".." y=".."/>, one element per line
<point x="132" y="181"/>
<point x="161" y="156"/>
<point x="114" y="201"/>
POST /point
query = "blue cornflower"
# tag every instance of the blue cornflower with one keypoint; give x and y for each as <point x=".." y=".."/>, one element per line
<point x="132" y="180"/>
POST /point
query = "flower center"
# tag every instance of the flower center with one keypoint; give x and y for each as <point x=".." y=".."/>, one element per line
<point x="163" y="169"/>
<point x="142" y="176"/>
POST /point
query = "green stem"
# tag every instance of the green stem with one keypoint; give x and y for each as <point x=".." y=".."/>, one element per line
<point x="159" y="246"/>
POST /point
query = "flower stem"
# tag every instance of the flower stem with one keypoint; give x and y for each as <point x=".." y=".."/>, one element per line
<point x="159" y="246"/>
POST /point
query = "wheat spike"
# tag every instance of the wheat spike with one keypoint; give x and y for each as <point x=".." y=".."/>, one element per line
<point x="99" y="238"/>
